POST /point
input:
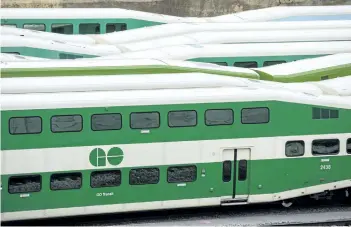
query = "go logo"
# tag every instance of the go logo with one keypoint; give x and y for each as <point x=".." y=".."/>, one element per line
<point x="98" y="157"/>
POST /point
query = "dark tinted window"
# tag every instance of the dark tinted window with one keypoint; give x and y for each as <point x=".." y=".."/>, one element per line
<point x="247" y="64"/>
<point x="220" y="63"/>
<point x="144" y="176"/>
<point x="114" y="27"/>
<point x="100" y="122"/>
<point x="320" y="113"/>
<point x="316" y="113"/>
<point x="69" y="56"/>
<point x="295" y="148"/>
<point x="334" y="113"/>
<point x="242" y="170"/>
<point x="69" y="123"/>
<point x="219" y="117"/>
<point x="65" y="181"/>
<point x="325" y="147"/>
<point x="92" y="28"/>
<point x="324" y="77"/>
<point x="100" y="179"/>
<point x="36" y="27"/>
<point x="62" y="28"/>
<point x="181" y="174"/>
<point x="182" y="118"/>
<point x="25" y="125"/>
<point x="325" y="113"/>
<point x="255" y="115"/>
<point x="268" y="63"/>
<point x="24" y="184"/>
<point x="227" y="171"/>
<point x="348" y="146"/>
<point x="144" y="120"/>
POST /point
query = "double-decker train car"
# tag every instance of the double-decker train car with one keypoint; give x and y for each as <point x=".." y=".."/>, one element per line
<point x="90" y="152"/>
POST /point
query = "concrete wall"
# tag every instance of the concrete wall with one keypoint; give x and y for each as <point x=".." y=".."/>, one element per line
<point x="194" y="8"/>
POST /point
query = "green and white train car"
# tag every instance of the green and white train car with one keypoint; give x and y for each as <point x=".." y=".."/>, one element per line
<point x="81" y="153"/>
<point x="15" y="57"/>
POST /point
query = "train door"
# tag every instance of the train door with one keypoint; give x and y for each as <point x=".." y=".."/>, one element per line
<point x="235" y="174"/>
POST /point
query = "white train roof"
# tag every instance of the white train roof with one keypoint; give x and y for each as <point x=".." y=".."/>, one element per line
<point x="97" y="50"/>
<point x="222" y="37"/>
<point x="14" y="57"/>
<point x="338" y="86"/>
<point x="307" y="65"/>
<point x="163" y="96"/>
<point x="184" y="52"/>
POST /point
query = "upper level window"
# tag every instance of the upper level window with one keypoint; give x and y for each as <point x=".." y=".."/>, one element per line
<point x="219" y="117"/>
<point x="65" y="181"/>
<point x="102" y="122"/>
<point x="220" y="63"/>
<point x="348" y="146"/>
<point x="62" y="28"/>
<point x="179" y="174"/>
<point x="69" y="56"/>
<point x="36" y="27"/>
<point x="246" y="64"/>
<point x="115" y="27"/>
<point x="144" y="120"/>
<point x="269" y="63"/>
<point x="185" y="118"/>
<point x="24" y="184"/>
<point x="325" y="147"/>
<point x="255" y="115"/>
<point x="322" y="113"/>
<point x="295" y="148"/>
<point x="25" y="125"/>
<point x="89" y="28"/>
<point x="67" y="123"/>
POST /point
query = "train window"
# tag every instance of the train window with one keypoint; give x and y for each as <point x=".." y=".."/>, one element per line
<point x="269" y="63"/>
<point x="24" y="184"/>
<point x="247" y="64"/>
<point x="325" y="113"/>
<point x="242" y="170"/>
<point x="324" y="77"/>
<point x="334" y="113"/>
<point x="319" y="113"/>
<point x="36" y="27"/>
<point x="325" y="147"/>
<point x="227" y="171"/>
<point x="110" y="178"/>
<point x="25" y="125"/>
<point x="219" y="117"/>
<point x="178" y="174"/>
<point x="115" y="27"/>
<point x="67" y="123"/>
<point x="220" y="63"/>
<point x="89" y="28"/>
<point x="62" y="28"/>
<point x="14" y="53"/>
<point x="316" y="113"/>
<point x="65" y="181"/>
<point x="144" y="176"/>
<point x="348" y="146"/>
<point x="103" y="122"/>
<point x="255" y="115"/>
<point x="9" y="25"/>
<point x="186" y="118"/>
<point x="294" y="148"/>
<point x="69" y="56"/>
<point x="145" y="120"/>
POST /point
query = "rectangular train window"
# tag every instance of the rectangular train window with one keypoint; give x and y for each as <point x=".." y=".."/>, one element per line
<point x="103" y="122"/>
<point x="67" y="123"/>
<point x="179" y="174"/>
<point x="101" y="179"/>
<point x="115" y="27"/>
<point x="219" y="117"/>
<point x="66" y="181"/>
<point x="9" y="25"/>
<point x="255" y="115"/>
<point x="220" y="63"/>
<point x="24" y="184"/>
<point x="321" y="113"/>
<point x="89" y="28"/>
<point x="348" y="146"/>
<point x="295" y="148"/>
<point x="246" y="64"/>
<point x="25" y="125"/>
<point x="62" y="28"/>
<point x="269" y="63"/>
<point x="227" y="171"/>
<point x="36" y="27"/>
<point x="69" y="56"/>
<point x="334" y="114"/>
<point x="325" y="147"/>
<point x="185" y="118"/>
<point x="144" y="176"/>
<point x="242" y="170"/>
<point x="144" y="120"/>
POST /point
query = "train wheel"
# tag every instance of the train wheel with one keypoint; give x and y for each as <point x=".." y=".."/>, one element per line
<point x="287" y="203"/>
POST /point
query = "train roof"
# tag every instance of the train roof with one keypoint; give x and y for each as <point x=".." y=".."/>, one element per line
<point x="191" y="51"/>
<point x="164" y="96"/>
<point x="14" y="57"/>
<point x="228" y="37"/>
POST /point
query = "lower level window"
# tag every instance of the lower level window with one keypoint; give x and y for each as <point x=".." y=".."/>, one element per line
<point x="24" y="184"/>
<point x="348" y="146"/>
<point x="295" y="148"/>
<point x="325" y="147"/>
<point x="65" y="181"/>
<point x="100" y="179"/>
<point x="144" y="176"/>
<point x="180" y="174"/>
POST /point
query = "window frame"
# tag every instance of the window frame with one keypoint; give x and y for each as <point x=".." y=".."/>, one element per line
<point x="52" y="24"/>
<point x="66" y="116"/>
<point x="94" y="23"/>
<point x="245" y="62"/>
<point x="158" y="180"/>
<point x="41" y="126"/>
<point x="109" y="170"/>
<point x="269" y="115"/>
<point x="188" y="126"/>
<point x="91" y="123"/>
<point x="281" y="62"/>
<point x="130" y="120"/>
<point x="304" y="148"/>
<point x="348" y="141"/>
<point x="24" y="176"/>
<point x="219" y="124"/>
<point x="77" y="173"/>
<point x="180" y="166"/>
<point x="324" y="154"/>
